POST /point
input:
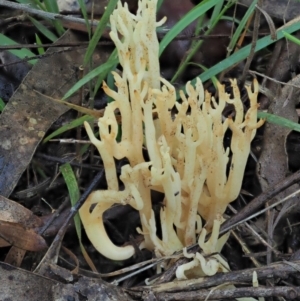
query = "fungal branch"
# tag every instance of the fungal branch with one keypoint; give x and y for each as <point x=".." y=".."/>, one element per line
<point x="188" y="162"/>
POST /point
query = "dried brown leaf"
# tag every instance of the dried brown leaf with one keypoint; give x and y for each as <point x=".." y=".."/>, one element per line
<point x="18" y="236"/>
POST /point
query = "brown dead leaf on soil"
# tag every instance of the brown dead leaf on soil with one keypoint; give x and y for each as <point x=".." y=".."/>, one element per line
<point x="16" y="230"/>
<point x="22" y="238"/>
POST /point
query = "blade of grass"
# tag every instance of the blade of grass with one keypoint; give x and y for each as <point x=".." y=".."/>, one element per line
<point x="43" y="29"/>
<point x="2" y="105"/>
<point x="99" y="30"/>
<point x="110" y="81"/>
<point x="291" y="38"/>
<point x="20" y="53"/>
<point x="241" y="26"/>
<point x="191" y="16"/>
<point x="213" y="79"/>
<point x="74" y="194"/>
<point x="52" y="7"/>
<point x="85" y="16"/>
<point x="159" y="4"/>
<point x="73" y="124"/>
<point x="113" y="58"/>
<point x="216" y="12"/>
<point x="102" y="69"/>
<point x="279" y="121"/>
<point x="241" y="54"/>
<point x="197" y="45"/>
<point x="40" y="50"/>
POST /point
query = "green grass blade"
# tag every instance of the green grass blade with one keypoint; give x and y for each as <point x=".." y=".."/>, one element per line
<point x="216" y="12"/>
<point x="40" y="50"/>
<point x="113" y="58"/>
<point x="74" y="193"/>
<point x="2" y="104"/>
<point x="242" y="25"/>
<point x="52" y="7"/>
<point x="279" y="121"/>
<point x="291" y="38"/>
<point x="159" y="3"/>
<point x="71" y="182"/>
<point x="97" y="71"/>
<point x="244" y="52"/>
<point x="85" y="16"/>
<point x="197" y="44"/>
<point x="43" y="29"/>
<point x="213" y="78"/>
<point x="72" y="125"/>
<point x="191" y="16"/>
<point x="99" y="30"/>
<point x="20" y="53"/>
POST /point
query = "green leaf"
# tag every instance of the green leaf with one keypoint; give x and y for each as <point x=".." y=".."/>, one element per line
<point x="244" y="52"/>
<point x="73" y="124"/>
<point x="52" y="7"/>
<point x="97" y="71"/>
<point x="41" y="50"/>
<point x="191" y="16"/>
<point x="99" y="30"/>
<point x="279" y="121"/>
<point x="20" y="53"/>
<point x="242" y="25"/>
<point x="218" y="12"/>
<point x="85" y="16"/>
<point x="74" y="193"/>
<point x="43" y="29"/>
<point x="159" y="4"/>
<point x="113" y="58"/>
<point x="291" y="38"/>
<point x="2" y="105"/>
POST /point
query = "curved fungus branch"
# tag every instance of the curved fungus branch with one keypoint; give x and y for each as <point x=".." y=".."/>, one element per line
<point x="187" y="158"/>
<point x="92" y="220"/>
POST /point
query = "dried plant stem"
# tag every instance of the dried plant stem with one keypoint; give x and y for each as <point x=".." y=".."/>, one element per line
<point x="280" y="269"/>
<point x="51" y="16"/>
<point x="283" y="291"/>
<point x="253" y="44"/>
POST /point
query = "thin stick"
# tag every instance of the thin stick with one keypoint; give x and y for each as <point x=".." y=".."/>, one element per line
<point x="279" y="291"/>
<point x="281" y="270"/>
<point x="52" y="16"/>
<point x="253" y="44"/>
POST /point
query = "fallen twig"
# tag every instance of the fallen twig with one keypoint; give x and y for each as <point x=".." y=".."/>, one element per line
<point x="278" y="270"/>
<point x="279" y="291"/>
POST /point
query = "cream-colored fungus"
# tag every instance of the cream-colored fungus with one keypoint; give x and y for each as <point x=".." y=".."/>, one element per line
<point x="188" y="162"/>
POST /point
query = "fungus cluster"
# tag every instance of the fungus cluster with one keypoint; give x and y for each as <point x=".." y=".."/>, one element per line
<point x="188" y="162"/>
